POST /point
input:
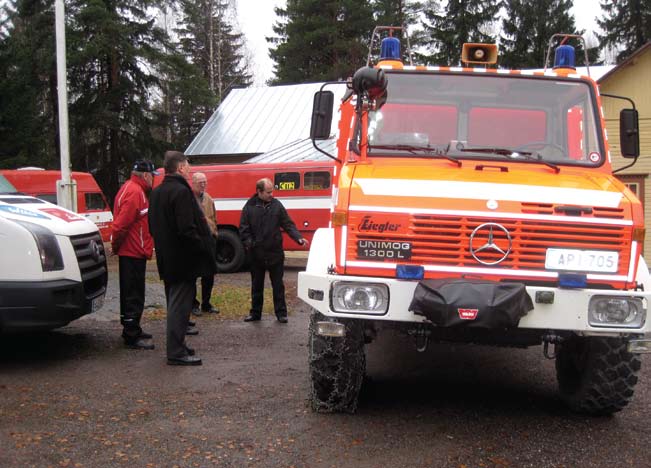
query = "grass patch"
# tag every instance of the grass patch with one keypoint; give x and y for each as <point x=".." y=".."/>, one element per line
<point x="233" y="302"/>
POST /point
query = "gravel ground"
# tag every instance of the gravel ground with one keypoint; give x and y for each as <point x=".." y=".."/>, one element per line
<point x="76" y="398"/>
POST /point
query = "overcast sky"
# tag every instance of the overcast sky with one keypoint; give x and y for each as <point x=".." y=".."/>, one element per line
<point x="256" y="18"/>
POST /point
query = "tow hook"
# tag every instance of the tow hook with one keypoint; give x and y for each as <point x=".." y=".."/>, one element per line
<point x="553" y="339"/>
<point x="421" y="336"/>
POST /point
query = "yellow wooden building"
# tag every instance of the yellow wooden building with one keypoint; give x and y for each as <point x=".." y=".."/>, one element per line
<point x="632" y="79"/>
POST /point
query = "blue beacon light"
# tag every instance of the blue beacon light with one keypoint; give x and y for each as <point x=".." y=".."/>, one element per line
<point x="564" y="57"/>
<point x="390" y="49"/>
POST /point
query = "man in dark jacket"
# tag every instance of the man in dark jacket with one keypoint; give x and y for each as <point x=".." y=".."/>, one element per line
<point x="184" y="251"/>
<point x="262" y="218"/>
<point x="131" y="240"/>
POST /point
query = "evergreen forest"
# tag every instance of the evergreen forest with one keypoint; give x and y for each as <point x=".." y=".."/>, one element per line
<point x="145" y="75"/>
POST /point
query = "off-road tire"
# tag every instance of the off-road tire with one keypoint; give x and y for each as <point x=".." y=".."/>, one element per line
<point x="337" y="367"/>
<point x="230" y="251"/>
<point x="596" y="375"/>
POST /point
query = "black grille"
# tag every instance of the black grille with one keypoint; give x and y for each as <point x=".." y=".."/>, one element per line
<point x="91" y="257"/>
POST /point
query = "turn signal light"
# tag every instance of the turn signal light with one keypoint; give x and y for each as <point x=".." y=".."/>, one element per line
<point x="339" y="218"/>
<point x="639" y="234"/>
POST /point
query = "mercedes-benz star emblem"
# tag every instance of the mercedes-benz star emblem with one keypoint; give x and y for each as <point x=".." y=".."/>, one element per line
<point x="497" y="240"/>
<point x="94" y="250"/>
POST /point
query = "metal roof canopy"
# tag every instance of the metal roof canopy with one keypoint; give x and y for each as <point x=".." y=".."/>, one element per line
<point x="259" y="120"/>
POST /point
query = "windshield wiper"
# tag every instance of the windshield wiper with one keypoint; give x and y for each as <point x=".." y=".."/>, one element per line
<point x="414" y="149"/>
<point x="511" y="154"/>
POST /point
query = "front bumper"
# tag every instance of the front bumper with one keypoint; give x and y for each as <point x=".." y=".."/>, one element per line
<point x="33" y="306"/>
<point x="569" y="310"/>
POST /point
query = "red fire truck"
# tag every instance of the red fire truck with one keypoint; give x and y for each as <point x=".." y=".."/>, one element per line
<point x="40" y="183"/>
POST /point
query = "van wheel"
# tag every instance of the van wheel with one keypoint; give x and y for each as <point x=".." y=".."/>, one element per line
<point x="230" y="251"/>
<point x="596" y="375"/>
<point x="337" y="366"/>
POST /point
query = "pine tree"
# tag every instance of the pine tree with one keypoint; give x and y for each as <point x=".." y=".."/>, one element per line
<point x="626" y="25"/>
<point x="114" y="48"/>
<point x="209" y="41"/>
<point x="527" y="28"/>
<point x="447" y="28"/>
<point x="28" y="126"/>
<point x="320" y="40"/>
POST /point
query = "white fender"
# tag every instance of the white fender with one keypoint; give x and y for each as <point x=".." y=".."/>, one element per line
<point x="643" y="277"/>
<point x="322" y="251"/>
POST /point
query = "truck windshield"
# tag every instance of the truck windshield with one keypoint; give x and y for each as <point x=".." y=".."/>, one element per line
<point x="5" y="186"/>
<point x="480" y="116"/>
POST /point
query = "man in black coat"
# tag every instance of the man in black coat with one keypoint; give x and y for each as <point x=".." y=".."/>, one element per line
<point x="262" y="218"/>
<point x="184" y="250"/>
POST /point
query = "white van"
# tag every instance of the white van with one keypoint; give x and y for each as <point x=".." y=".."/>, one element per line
<point x="52" y="263"/>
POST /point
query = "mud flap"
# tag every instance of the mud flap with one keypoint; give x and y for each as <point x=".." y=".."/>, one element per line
<point x="471" y="303"/>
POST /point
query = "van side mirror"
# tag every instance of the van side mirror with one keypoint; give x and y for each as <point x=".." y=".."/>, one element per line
<point x="629" y="133"/>
<point x="322" y="115"/>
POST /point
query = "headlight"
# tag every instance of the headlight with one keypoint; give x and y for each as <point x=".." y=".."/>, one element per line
<point x="48" y="247"/>
<point x="615" y="311"/>
<point x="361" y="298"/>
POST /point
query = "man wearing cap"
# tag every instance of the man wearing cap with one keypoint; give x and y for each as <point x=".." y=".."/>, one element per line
<point x="133" y="244"/>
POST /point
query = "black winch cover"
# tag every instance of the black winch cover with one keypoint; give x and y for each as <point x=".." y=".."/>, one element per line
<point x="453" y="302"/>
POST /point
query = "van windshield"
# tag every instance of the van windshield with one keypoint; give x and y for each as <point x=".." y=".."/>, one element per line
<point x="5" y="186"/>
<point x="480" y="116"/>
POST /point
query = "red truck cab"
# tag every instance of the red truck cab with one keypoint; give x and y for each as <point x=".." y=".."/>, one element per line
<point x="40" y="183"/>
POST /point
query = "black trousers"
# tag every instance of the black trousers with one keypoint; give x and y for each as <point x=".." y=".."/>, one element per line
<point x="132" y="295"/>
<point x="207" y="283"/>
<point x="275" y="267"/>
<point x="179" y="301"/>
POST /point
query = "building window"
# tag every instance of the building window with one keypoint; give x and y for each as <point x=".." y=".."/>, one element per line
<point x="635" y="184"/>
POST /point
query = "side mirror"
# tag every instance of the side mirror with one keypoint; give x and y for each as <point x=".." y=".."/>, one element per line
<point x="322" y="115"/>
<point x="629" y="133"/>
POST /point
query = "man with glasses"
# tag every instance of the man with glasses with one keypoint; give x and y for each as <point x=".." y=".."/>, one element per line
<point x="199" y="185"/>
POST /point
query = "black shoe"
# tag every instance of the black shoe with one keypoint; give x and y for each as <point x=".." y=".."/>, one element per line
<point x="191" y="323"/>
<point x="139" y="344"/>
<point x="282" y="319"/>
<point x="196" y="312"/>
<point x="191" y="351"/>
<point x="184" y="361"/>
<point x="210" y="310"/>
<point x="145" y="336"/>
<point x="251" y="318"/>
<point x="191" y="331"/>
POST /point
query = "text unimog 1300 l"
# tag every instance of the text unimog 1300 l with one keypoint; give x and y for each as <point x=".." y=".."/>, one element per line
<point x="478" y="205"/>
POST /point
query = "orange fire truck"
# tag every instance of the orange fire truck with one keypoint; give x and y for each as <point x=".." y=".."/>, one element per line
<point x="478" y="205"/>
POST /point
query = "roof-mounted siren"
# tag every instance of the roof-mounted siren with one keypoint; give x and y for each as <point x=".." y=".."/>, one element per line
<point x="390" y="50"/>
<point x="480" y="54"/>
<point x="564" y="54"/>
<point x="564" y="57"/>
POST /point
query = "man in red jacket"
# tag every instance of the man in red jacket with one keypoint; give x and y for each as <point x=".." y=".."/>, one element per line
<point x="133" y="243"/>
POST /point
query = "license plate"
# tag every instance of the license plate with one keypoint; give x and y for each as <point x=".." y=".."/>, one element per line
<point x="383" y="250"/>
<point x="96" y="304"/>
<point x="601" y="261"/>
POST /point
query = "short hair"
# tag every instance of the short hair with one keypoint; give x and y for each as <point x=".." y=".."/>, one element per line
<point x="259" y="185"/>
<point x="196" y="175"/>
<point x="172" y="161"/>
